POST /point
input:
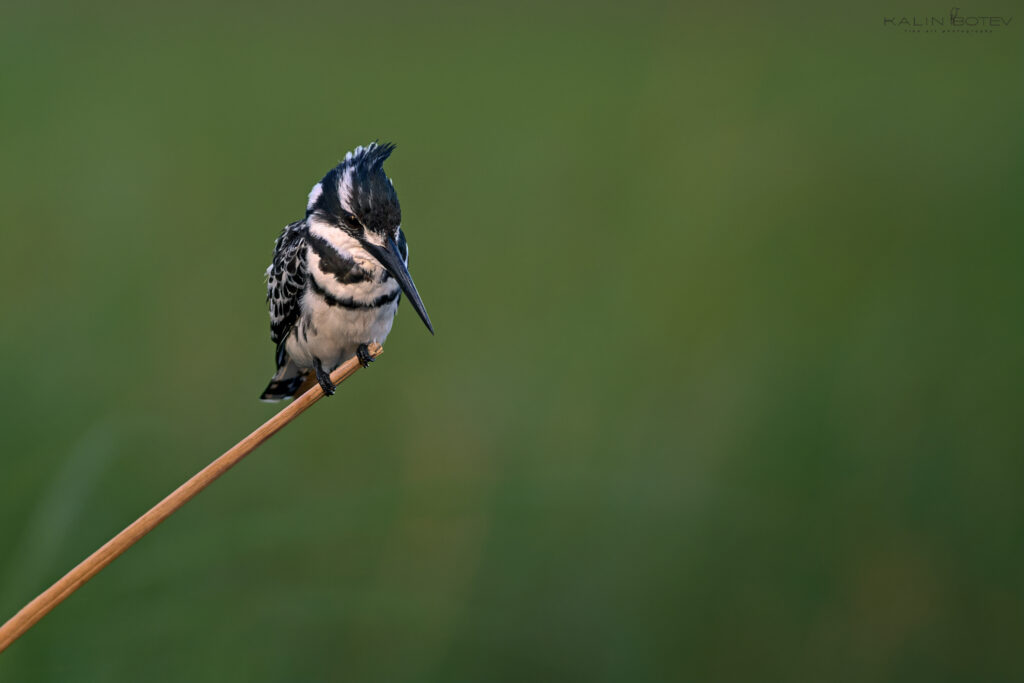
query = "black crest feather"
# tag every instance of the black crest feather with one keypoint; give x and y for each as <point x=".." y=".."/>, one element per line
<point x="371" y="196"/>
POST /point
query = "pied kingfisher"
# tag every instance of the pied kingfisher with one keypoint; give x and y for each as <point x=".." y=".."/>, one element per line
<point x="337" y="275"/>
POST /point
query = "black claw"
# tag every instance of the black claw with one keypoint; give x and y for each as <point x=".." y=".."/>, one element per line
<point x="324" y="378"/>
<point x="363" y="354"/>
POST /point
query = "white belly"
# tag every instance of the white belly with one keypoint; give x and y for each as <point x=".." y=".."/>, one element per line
<point x="332" y="333"/>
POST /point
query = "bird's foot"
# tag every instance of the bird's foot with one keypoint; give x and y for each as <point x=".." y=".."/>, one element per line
<point x="324" y="378"/>
<point x="363" y="354"/>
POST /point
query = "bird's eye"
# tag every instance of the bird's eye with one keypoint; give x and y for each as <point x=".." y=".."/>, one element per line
<point x="350" y="220"/>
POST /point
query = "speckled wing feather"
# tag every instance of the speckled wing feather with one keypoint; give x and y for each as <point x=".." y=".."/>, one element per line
<point x="286" y="282"/>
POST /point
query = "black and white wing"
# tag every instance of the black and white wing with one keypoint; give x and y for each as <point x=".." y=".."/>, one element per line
<point x="286" y="282"/>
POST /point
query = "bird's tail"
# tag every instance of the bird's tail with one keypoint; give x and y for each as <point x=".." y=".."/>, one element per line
<point x="285" y="383"/>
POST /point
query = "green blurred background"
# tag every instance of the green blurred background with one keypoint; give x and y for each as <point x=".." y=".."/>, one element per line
<point x="726" y="383"/>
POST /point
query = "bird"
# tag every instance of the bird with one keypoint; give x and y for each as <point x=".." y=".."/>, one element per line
<point x="337" y="275"/>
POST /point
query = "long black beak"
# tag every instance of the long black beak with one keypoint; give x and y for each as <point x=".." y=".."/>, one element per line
<point x="390" y="258"/>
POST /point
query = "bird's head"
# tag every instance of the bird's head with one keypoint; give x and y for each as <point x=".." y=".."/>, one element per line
<point x="358" y="198"/>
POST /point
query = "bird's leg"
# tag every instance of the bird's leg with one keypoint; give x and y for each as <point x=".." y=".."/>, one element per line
<point x="363" y="354"/>
<point x="324" y="378"/>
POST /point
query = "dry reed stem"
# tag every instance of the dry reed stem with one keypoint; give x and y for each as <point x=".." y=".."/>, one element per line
<point x="91" y="566"/>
